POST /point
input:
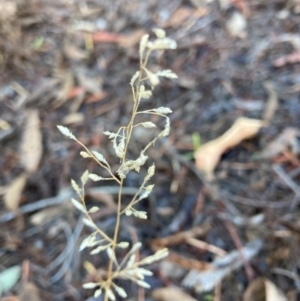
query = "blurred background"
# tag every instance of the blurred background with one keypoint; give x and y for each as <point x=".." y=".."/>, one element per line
<point x="232" y="226"/>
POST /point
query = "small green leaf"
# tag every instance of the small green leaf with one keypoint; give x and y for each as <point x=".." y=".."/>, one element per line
<point x="38" y="42"/>
<point x="196" y="140"/>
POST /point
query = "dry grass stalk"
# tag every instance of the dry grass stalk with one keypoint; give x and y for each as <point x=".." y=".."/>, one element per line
<point x="129" y="268"/>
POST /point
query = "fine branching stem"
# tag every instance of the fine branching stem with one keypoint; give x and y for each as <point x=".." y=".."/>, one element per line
<point x="117" y="226"/>
<point x="89" y="217"/>
<point x="118" y="218"/>
<point x="97" y="161"/>
<point x="130" y="267"/>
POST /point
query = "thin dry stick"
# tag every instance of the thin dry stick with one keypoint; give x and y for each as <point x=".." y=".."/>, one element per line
<point x="239" y="246"/>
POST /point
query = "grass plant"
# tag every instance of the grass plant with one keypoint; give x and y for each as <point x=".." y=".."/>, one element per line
<point x="130" y="268"/>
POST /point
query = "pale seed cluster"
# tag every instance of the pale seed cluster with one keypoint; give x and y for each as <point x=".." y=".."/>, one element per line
<point x="129" y="268"/>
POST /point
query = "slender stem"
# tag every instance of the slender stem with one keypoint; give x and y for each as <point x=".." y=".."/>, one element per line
<point x="135" y="92"/>
<point x="117" y="226"/>
<point x="89" y="217"/>
<point x="134" y="198"/>
<point x="101" y="164"/>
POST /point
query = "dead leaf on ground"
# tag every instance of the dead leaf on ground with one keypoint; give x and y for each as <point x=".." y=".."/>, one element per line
<point x="292" y="38"/>
<point x="236" y="25"/>
<point x="46" y="91"/>
<point x="29" y="291"/>
<point x="96" y="97"/>
<point x="263" y="289"/>
<point x="74" y="53"/>
<point x="170" y="270"/>
<point x="272" y="103"/>
<point x="225" y="4"/>
<point x="186" y="81"/>
<point x="181" y="15"/>
<point x="287" y="138"/>
<point x="177" y="239"/>
<point x="8" y="10"/>
<point x="221" y="267"/>
<point x="171" y="294"/>
<point x="209" y="154"/>
<point x="4" y="125"/>
<point x="45" y="215"/>
<point x="75" y="91"/>
<point x="90" y="82"/>
<point x="13" y="193"/>
<point x="3" y="189"/>
<point x="188" y="263"/>
<point x="31" y="149"/>
<point x="63" y="93"/>
<point x="73" y="118"/>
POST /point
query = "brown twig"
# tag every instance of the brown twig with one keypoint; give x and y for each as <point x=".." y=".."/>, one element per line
<point x="239" y="246"/>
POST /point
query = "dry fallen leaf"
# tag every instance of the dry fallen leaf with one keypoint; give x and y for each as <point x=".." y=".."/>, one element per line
<point x="73" y="52"/>
<point x="272" y="103"/>
<point x="288" y="137"/>
<point x="73" y="118"/>
<point x="8" y="10"/>
<point x="29" y="291"/>
<point x="92" y="83"/>
<point x="179" y="238"/>
<point x="4" y="125"/>
<point x="179" y="16"/>
<point x="182" y="14"/>
<point x="171" y="294"/>
<point x="45" y="215"/>
<point x="236" y="25"/>
<point x="262" y="289"/>
<point x="203" y="281"/>
<point x="225" y="4"/>
<point x="64" y="91"/>
<point x="14" y="192"/>
<point x="209" y="154"/>
<point x="171" y="270"/>
<point x="31" y="147"/>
